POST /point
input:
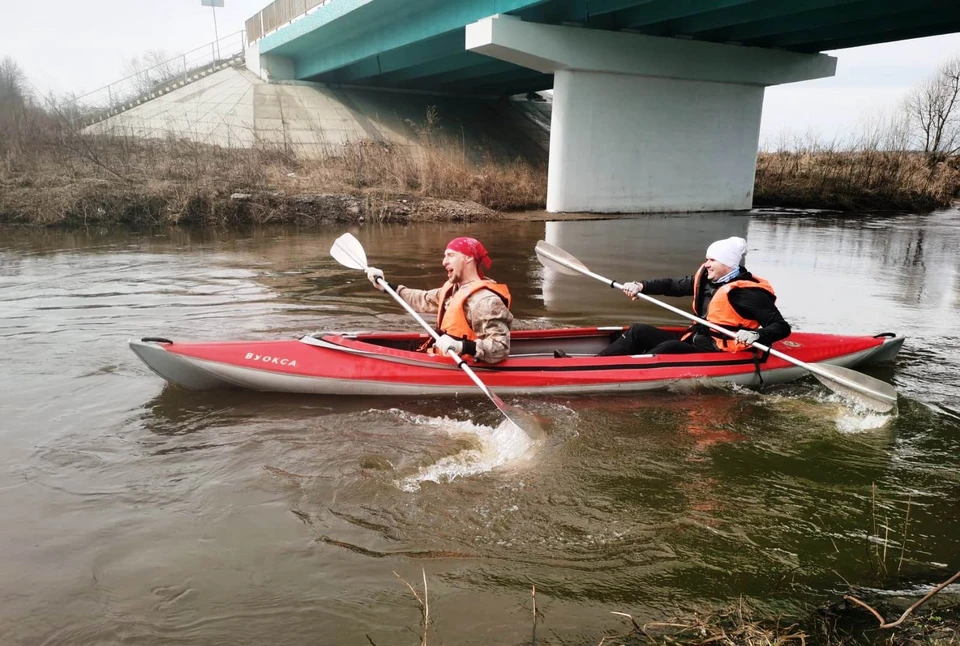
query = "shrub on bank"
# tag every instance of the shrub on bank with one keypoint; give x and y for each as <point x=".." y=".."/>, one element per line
<point x="858" y="180"/>
<point x="55" y="176"/>
<point x="52" y="175"/>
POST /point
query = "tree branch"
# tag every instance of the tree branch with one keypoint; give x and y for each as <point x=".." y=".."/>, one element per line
<point x="906" y="613"/>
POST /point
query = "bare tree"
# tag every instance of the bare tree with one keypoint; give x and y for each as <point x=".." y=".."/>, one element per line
<point x="151" y="69"/>
<point x="934" y="113"/>
<point x="22" y="121"/>
<point x="14" y="88"/>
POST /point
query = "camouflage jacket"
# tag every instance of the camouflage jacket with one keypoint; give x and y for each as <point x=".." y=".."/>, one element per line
<point x="486" y="312"/>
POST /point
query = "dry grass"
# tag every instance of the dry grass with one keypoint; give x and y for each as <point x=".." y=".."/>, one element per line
<point x="855" y="180"/>
<point x="51" y="175"/>
<point x="731" y="627"/>
<point x="56" y="176"/>
<point x="840" y="624"/>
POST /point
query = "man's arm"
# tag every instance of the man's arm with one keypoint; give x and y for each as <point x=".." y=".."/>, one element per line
<point x="426" y="301"/>
<point x="760" y="306"/>
<point x="490" y="320"/>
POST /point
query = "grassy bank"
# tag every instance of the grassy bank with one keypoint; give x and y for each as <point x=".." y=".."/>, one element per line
<point x="50" y="176"/>
<point x="56" y="177"/>
<point x="856" y="180"/>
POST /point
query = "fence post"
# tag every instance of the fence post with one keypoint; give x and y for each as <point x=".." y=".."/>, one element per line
<point x="184" y="69"/>
<point x="213" y="53"/>
<point x="109" y="98"/>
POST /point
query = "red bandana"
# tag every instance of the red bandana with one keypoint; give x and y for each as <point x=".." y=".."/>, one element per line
<point x="472" y="247"/>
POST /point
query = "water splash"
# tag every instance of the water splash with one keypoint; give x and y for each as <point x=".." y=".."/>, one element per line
<point x="853" y="418"/>
<point x="857" y="421"/>
<point x="497" y="446"/>
<point x="846" y="416"/>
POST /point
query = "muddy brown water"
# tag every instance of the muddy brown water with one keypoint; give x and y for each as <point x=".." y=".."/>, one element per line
<point x="138" y="513"/>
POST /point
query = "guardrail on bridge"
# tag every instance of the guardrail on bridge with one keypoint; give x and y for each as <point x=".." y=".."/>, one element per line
<point x="276" y="14"/>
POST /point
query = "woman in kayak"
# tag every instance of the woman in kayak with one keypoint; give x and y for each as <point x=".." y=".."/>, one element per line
<point x="473" y="314"/>
<point x="725" y="293"/>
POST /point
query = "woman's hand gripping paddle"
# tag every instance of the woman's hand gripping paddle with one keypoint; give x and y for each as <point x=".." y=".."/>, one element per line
<point x="853" y="386"/>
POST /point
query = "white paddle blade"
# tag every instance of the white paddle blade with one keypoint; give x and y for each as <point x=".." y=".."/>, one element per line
<point x="558" y="260"/>
<point x="870" y="393"/>
<point x="348" y="251"/>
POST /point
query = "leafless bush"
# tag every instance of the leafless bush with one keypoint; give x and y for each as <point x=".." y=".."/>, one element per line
<point x="62" y="176"/>
<point x="934" y="113"/>
<point x="869" y="174"/>
<point x="151" y="69"/>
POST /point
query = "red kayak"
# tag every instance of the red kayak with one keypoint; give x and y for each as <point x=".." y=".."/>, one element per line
<point x="387" y="363"/>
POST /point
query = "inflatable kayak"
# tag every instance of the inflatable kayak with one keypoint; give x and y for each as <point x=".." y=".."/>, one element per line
<point x="387" y="363"/>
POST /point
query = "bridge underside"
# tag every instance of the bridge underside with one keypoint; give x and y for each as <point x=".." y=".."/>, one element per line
<point x="657" y="103"/>
<point x="420" y="45"/>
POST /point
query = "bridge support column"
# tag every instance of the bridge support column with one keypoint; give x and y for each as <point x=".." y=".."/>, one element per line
<point x="644" y="124"/>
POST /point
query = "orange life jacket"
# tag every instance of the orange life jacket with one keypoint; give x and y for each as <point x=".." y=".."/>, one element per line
<point x="452" y="317"/>
<point x="721" y="312"/>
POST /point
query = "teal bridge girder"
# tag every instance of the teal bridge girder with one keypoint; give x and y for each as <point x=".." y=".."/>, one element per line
<point x="419" y="44"/>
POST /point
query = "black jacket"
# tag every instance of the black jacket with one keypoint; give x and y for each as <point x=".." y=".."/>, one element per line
<point x="754" y="304"/>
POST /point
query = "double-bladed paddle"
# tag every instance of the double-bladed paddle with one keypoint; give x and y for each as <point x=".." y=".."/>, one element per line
<point x="348" y="251"/>
<point x="855" y="386"/>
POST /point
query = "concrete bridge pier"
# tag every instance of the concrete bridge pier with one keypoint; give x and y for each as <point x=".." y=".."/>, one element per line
<point x="642" y="123"/>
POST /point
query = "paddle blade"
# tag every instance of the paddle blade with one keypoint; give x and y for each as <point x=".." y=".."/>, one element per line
<point x="857" y="387"/>
<point x="348" y="251"/>
<point x="558" y="260"/>
<point x="523" y="420"/>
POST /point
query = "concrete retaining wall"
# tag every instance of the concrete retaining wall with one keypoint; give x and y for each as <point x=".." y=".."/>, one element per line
<point x="234" y="107"/>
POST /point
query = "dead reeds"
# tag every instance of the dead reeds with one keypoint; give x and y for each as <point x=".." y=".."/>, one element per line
<point x="732" y="626"/>
<point x="859" y="179"/>
<point x="52" y="174"/>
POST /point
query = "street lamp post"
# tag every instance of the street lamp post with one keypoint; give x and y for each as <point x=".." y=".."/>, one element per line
<point x="213" y="4"/>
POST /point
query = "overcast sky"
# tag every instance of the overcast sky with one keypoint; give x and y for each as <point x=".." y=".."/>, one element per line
<point x="79" y="46"/>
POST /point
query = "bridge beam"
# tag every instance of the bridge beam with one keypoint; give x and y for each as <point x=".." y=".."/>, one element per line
<point x="645" y="124"/>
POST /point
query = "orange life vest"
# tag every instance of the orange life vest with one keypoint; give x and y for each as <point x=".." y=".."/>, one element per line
<point x="721" y="312"/>
<point x="452" y="317"/>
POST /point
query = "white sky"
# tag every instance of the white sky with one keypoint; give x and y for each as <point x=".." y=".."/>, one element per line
<point x="79" y="46"/>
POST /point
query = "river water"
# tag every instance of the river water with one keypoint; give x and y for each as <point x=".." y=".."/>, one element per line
<point x="138" y="513"/>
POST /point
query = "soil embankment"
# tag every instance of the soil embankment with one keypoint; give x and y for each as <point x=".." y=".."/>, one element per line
<point x="83" y="181"/>
<point x="72" y="180"/>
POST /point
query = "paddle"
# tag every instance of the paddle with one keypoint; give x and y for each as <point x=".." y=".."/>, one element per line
<point x="868" y="392"/>
<point x="348" y="251"/>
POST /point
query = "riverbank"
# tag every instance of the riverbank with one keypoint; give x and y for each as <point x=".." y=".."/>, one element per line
<point x="840" y="623"/>
<point x="86" y="181"/>
<point x="864" y="181"/>
<point x="70" y="180"/>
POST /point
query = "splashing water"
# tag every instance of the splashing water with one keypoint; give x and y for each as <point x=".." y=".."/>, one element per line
<point x="854" y="418"/>
<point x="499" y="445"/>
<point x="857" y="421"/>
<point x="846" y="416"/>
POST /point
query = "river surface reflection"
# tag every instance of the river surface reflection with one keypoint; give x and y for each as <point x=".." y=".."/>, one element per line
<point x="140" y="513"/>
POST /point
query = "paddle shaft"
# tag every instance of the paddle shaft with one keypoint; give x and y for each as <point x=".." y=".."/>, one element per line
<point x="436" y="337"/>
<point x="713" y="326"/>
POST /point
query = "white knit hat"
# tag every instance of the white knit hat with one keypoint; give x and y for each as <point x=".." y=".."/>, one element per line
<point x="729" y="252"/>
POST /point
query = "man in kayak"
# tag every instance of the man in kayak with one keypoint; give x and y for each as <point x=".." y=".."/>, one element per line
<point x="725" y="293"/>
<point x="473" y="315"/>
